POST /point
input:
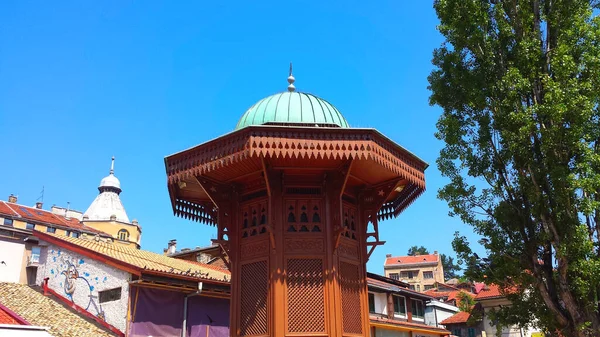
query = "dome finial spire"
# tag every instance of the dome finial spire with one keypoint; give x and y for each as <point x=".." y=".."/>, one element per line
<point x="291" y="80"/>
<point x="112" y="165"/>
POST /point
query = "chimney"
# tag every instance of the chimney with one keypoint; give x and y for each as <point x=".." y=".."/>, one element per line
<point x="417" y="253"/>
<point x="172" y="247"/>
<point x="12" y="198"/>
<point x="113" y="218"/>
<point x="39" y="205"/>
<point x="388" y="255"/>
<point x="435" y="252"/>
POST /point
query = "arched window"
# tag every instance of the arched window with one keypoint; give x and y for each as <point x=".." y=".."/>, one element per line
<point x="123" y="235"/>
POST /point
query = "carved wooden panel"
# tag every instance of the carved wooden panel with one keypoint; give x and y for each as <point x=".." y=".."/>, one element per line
<point x="303" y="216"/>
<point x="350" y="221"/>
<point x="253" y="299"/>
<point x="254" y="219"/>
<point x="253" y="250"/>
<point x="348" y="249"/>
<point x="304" y="245"/>
<point x="351" y="301"/>
<point x="305" y="294"/>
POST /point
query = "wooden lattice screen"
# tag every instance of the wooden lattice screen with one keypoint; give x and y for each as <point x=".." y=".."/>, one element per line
<point x="351" y="304"/>
<point x="253" y="306"/>
<point x="306" y="301"/>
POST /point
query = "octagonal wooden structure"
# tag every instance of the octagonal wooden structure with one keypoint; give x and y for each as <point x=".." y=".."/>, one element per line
<point x="297" y="211"/>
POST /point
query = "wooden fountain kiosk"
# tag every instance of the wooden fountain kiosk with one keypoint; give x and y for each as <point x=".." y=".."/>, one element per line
<point x="296" y="196"/>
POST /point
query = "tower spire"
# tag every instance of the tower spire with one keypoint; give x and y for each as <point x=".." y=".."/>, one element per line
<point x="291" y="80"/>
<point x="112" y="165"/>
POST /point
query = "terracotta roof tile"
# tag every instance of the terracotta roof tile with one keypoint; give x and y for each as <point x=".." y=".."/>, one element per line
<point x="141" y="258"/>
<point x="459" y="317"/>
<point x="418" y="259"/>
<point x="41" y="310"/>
<point x="35" y="215"/>
<point x="489" y="291"/>
<point x="6" y="318"/>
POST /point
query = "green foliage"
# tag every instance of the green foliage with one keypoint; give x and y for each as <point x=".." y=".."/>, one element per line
<point x="465" y="301"/>
<point x="414" y="250"/>
<point x="519" y="85"/>
<point x="451" y="270"/>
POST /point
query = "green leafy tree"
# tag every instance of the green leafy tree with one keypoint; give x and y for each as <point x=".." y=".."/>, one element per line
<point x="414" y="250"/>
<point x="451" y="270"/>
<point x="519" y="85"/>
<point x="465" y="302"/>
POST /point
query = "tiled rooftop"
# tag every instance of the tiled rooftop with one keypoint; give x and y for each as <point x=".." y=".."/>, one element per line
<point x="489" y="291"/>
<point x="458" y="318"/>
<point x="417" y="259"/>
<point x="141" y="259"/>
<point x="40" y="310"/>
<point x="7" y="318"/>
<point x="42" y="216"/>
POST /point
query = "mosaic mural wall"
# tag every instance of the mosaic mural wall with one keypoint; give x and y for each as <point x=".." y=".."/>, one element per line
<point x="82" y="280"/>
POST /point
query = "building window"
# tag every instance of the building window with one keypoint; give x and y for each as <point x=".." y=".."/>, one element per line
<point x="30" y="226"/>
<point x="109" y="295"/>
<point x="411" y="287"/>
<point x="74" y="234"/>
<point x="371" y="303"/>
<point x="35" y="254"/>
<point x="68" y="233"/>
<point x="394" y="276"/>
<point x="428" y="287"/>
<point x="457" y="332"/>
<point x="409" y="274"/>
<point x="427" y="275"/>
<point x="50" y="229"/>
<point x="417" y="309"/>
<point x="399" y="305"/>
<point x="471" y="332"/>
<point x="123" y="235"/>
<point x="418" y="287"/>
<point x="8" y="222"/>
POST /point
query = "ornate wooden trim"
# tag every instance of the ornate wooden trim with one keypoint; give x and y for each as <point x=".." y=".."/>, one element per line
<point x="268" y="141"/>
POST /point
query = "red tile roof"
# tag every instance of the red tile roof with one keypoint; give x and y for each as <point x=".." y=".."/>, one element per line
<point x="44" y="217"/>
<point x="9" y="317"/>
<point x="489" y="291"/>
<point x="494" y="291"/>
<point x="418" y="259"/>
<point x="459" y="317"/>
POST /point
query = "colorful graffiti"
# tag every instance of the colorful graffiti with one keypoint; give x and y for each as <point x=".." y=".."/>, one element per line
<point x="76" y="284"/>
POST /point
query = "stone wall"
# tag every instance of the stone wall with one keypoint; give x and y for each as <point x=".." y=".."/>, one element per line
<point x="81" y="279"/>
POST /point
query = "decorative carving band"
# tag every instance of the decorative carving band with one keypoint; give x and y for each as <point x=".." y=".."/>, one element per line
<point x="348" y="250"/>
<point x="304" y="245"/>
<point x="255" y="249"/>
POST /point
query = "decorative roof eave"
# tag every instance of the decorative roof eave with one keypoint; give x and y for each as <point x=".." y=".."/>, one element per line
<point x="268" y="141"/>
<point x="295" y="142"/>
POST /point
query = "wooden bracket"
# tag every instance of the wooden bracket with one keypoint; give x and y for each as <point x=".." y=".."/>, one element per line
<point x="225" y="248"/>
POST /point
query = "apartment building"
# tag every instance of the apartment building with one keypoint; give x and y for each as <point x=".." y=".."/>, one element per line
<point x="395" y="310"/>
<point x="421" y="272"/>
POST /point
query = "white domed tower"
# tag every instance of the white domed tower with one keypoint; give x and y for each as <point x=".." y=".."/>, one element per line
<point x="106" y="213"/>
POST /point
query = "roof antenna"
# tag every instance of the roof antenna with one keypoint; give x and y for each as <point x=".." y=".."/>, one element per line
<point x="112" y="165"/>
<point x="291" y="80"/>
<point x="67" y="210"/>
<point x="41" y="197"/>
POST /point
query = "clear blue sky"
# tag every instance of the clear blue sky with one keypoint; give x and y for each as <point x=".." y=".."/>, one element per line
<point x="82" y="81"/>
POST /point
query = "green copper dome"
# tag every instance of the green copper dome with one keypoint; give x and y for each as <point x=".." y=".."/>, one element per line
<point x="293" y="108"/>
